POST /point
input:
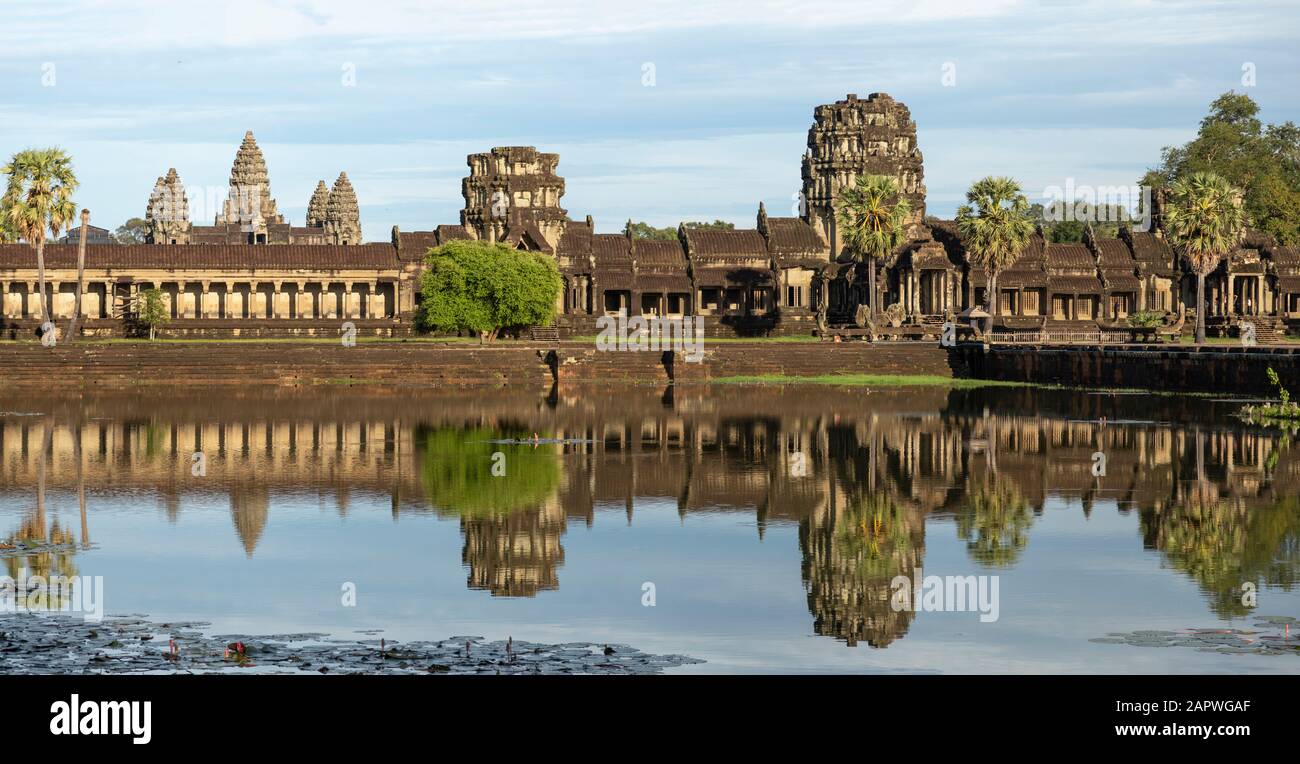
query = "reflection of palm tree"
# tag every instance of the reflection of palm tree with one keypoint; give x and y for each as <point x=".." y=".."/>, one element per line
<point x="53" y="557"/>
<point x="47" y="437"/>
<point x="995" y="524"/>
<point x="1223" y="543"/>
<point x="81" y="489"/>
<point x="850" y="561"/>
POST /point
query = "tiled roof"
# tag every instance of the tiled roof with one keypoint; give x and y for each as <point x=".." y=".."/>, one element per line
<point x="1070" y="256"/>
<point x="659" y="254"/>
<point x="1020" y="279"/>
<point x="576" y="241"/>
<point x="610" y="251"/>
<point x="1120" y="281"/>
<point x="198" y="256"/>
<point x="726" y="244"/>
<point x="416" y="244"/>
<point x="1148" y="246"/>
<point x="788" y="236"/>
<point x="447" y="233"/>
<point x="1074" y="284"/>
<point x="1113" y="253"/>
<point x="1285" y="256"/>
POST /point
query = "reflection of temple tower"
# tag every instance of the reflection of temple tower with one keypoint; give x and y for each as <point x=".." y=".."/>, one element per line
<point x="249" y="508"/>
<point x="850" y="557"/>
<point x="856" y="137"/>
<point x="515" y="555"/>
<point x="513" y="195"/>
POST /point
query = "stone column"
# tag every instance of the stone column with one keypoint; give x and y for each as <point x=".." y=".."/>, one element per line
<point x="53" y="286"/>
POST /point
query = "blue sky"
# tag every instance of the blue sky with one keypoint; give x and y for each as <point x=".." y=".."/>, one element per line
<point x="1045" y="92"/>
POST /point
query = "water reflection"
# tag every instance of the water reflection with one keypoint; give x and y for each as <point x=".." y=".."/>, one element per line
<point x="863" y="476"/>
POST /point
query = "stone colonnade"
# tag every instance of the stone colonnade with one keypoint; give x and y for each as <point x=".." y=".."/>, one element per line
<point x="234" y="298"/>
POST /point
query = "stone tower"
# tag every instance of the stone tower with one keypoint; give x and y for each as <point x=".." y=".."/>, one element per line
<point x="250" y="204"/>
<point x="318" y="206"/>
<point x="342" y="214"/>
<point x="513" y="195"/>
<point x="856" y="137"/>
<point x="167" y="217"/>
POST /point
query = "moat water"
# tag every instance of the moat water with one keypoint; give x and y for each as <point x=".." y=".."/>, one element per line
<point x="758" y="529"/>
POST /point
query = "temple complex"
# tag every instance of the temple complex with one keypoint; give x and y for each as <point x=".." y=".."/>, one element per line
<point x="254" y="272"/>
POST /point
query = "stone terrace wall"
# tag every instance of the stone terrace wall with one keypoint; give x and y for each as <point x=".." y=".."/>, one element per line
<point x="1212" y="368"/>
<point x="140" y="364"/>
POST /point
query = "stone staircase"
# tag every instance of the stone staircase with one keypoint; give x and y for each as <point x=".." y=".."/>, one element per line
<point x="1269" y="330"/>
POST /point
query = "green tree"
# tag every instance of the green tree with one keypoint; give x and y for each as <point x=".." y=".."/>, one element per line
<point x="873" y="217"/>
<point x="1204" y="220"/>
<point x="995" y="524"/>
<point x="487" y="288"/>
<point x="7" y="233"/>
<point x="37" y="200"/>
<point x="1261" y="160"/>
<point x="133" y="231"/>
<point x="151" y="310"/>
<point x="643" y="230"/>
<point x="995" y="226"/>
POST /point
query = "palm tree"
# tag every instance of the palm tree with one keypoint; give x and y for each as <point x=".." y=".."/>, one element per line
<point x="994" y="225"/>
<point x="873" y="217"/>
<point x="1204" y="221"/>
<point x="81" y="274"/>
<point x="37" y="199"/>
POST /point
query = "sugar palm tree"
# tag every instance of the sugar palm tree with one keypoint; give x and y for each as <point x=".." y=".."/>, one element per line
<point x="81" y="275"/>
<point x="7" y="234"/>
<point x="1204" y="221"/>
<point x="994" y="225"/>
<point x="38" y="199"/>
<point x="873" y="216"/>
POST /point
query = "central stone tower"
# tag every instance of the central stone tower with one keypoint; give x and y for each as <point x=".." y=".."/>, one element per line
<point x="853" y="137"/>
<point x="250" y="204"/>
<point x="513" y="195"/>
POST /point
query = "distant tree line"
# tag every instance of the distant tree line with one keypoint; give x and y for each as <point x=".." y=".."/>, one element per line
<point x="643" y="230"/>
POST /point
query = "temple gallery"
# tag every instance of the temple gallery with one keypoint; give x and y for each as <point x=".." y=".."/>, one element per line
<point x="253" y="273"/>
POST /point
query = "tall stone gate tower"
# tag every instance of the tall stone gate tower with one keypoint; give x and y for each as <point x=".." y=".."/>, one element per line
<point x="856" y="137"/>
<point x="513" y="195"/>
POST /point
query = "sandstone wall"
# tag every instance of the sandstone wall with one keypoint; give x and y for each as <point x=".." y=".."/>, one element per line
<point x="1214" y="368"/>
<point x="426" y="364"/>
